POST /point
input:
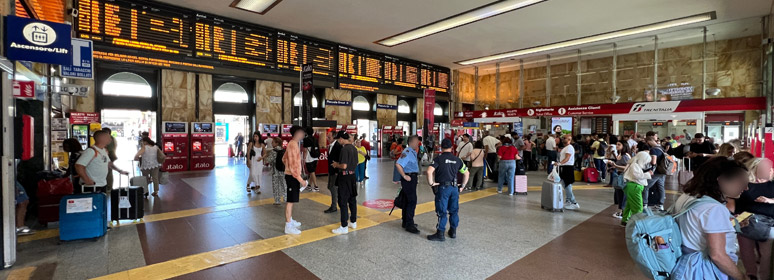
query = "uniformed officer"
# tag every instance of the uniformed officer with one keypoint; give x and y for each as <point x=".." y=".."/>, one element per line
<point x="408" y="168"/>
<point x="442" y="176"/>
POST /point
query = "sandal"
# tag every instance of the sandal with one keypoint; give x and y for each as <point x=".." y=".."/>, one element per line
<point x="257" y="189"/>
<point x="155" y="194"/>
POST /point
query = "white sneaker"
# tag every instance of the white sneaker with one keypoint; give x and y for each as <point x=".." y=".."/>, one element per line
<point x="353" y="225"/>
<point x="572" y="206"/>
<point x="499" y="191"/>
<point x="295" y="224"/>
<point x="340" y="230"/>
<point x="289" y="229"/>
<point x="617" y="215"/>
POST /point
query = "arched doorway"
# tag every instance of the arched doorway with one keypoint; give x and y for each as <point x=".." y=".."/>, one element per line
<point x="232" y="118"/>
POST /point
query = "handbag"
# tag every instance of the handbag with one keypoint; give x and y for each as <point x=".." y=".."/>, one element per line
<point x="618" y="180"/>
<point x="520" y="168"/>
<point x="60" y="186"/>
<point x="759" y="227"/>
<point x="160" y="156"/>
<point x="685" y="175"/>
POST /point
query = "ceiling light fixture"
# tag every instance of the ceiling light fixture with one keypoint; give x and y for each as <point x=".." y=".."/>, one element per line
<point x="596" y="38"/>
<point x="255" y="6"/>
<point x="480" y="13"/>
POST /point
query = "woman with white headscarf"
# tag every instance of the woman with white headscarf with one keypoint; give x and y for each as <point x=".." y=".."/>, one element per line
<point x="636" y="176"/>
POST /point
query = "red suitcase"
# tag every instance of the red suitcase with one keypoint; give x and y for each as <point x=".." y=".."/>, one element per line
<point x="48" y="209"/>
<point x="591" y="175"/>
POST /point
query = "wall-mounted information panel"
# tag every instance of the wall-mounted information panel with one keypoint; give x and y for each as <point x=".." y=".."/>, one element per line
<point x="234" y="43"/>
<point x="294" y="50"/>
<point x="132" y="25"/>
<point x="151" y="33"/>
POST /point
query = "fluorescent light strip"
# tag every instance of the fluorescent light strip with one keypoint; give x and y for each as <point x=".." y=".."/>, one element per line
<point x="255" y="6"/>
<point x="464" y="18"/>
<point x="595" y="38"/>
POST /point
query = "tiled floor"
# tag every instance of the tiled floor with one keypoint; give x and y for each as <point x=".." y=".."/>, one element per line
<point x="203" y="225"/>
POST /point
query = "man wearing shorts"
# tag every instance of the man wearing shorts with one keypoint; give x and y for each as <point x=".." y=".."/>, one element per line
<point x="293" y="162"/>
<point x="22" y="201"/>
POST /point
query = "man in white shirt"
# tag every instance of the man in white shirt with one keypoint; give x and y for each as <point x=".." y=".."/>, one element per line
<point x="94" y="164"/>
<point x="464" y="148"/>
<point x="490" y="146"/>
<point x="551" y="152"/>
<point x="633" y="140"/>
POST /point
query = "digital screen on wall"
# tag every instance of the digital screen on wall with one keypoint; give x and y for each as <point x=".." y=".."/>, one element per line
<point x="434" y="77"/>
<point x="232" y="43"/>
<point x="127" y="24"/>
<point x="400" y="72"/>
<point x="175" y="127"/>
<point x="561" y="125"/>
<point x="294" y="50"/>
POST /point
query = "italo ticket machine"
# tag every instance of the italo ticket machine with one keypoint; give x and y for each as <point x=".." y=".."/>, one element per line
<point x="269" y="130"/>
<point x="202" y="146"/>
<point x="285" y="134"/>
<point x="174" y="143"/>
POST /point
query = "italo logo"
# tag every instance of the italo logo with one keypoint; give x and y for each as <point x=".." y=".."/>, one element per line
<point x="39" y="34"/>
<point x="175" y="166"/>
<point x="202" y="165"/>
<point x="308" y="67"/>
<point x="637" y="107"/>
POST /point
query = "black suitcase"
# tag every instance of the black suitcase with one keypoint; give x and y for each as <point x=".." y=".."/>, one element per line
<point x="127" y="204"/>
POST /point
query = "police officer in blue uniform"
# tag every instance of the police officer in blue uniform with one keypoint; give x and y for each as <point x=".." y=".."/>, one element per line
<point x="408" y="168"/>
<point x="442" y="176"/>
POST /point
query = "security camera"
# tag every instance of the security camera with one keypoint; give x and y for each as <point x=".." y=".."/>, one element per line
<point x="712" y="91"/>
<point x="74" y="13"/>
<point x="536" y="103"/>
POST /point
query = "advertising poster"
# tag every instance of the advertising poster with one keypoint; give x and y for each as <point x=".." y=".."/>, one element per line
<point x="429" y="96"/>
<point x="307" y="89"/>
<point x="561" y="125"/>
<point x="518" y="127"/>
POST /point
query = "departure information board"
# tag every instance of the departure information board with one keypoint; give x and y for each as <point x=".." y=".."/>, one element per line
<point x="234" y="43"/>
<point x="360" y="65"/>
<point x="400" y="72"/>
<point x="293" y="51"/>
<point x="434" y="77"/>
<point x="128" y="24"/>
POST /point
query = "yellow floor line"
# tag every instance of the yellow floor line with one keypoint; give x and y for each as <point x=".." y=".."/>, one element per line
<point x="50" y="233"/>
<point x="21" y="273"/>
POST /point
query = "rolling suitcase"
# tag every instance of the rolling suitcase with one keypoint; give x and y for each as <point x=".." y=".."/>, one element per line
<point x="520" y="184"/>
<point x="82" y="216"/>
<point x="591" y="175"/>
<point x="138" y="181"/>
<point x="552" y="196"/>
<point x="127" y="203"/>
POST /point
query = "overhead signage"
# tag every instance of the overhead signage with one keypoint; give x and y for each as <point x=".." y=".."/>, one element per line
<point x="694" y="105"/>
<point x="84" y="117"/>
<point x="307" y="89"/>
<point x="337" y="102"/>
<point x="74" y="90"/>
<point x="82" y="66"/>
<point x="23" y="89"/>
<point x="429" y="108"/>
<point x="37" y="40"/>
<point x="386" y="106"/>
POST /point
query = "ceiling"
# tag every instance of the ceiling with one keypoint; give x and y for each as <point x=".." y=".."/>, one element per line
<point x="360" y="23"/>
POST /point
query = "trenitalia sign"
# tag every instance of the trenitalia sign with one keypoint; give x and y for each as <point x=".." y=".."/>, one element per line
<point x="720" y="104"/>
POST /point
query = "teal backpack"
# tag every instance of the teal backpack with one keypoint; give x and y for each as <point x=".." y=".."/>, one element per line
<point x="654" y="239"/>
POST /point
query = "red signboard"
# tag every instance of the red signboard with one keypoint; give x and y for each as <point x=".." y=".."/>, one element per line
<point x="697" y="105"/>
<point x="429" y="97"/>
<point x="84" y="117"/>
<point x="24" y="89"/>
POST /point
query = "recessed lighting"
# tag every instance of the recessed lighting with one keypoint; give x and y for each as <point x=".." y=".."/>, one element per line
<point x="596" y="38"/>
<point x="255" y="6"/>
<point x="483" y="12"/>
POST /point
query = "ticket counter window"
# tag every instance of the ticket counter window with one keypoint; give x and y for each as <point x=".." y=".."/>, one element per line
<point x="127" y="84"/>
<point x="230" y="92"/>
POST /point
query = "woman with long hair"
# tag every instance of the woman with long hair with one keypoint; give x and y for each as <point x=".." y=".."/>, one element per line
<point x="149" y="164"/>
<point x="255" y="154"/>
<point x="726" y="150"/>
<point x="758" y="199"/>
<point x="476" y="181"/>
<point x="709" y="237"/>
<point x="277" y="176"/>
<point x="617" y="166"/>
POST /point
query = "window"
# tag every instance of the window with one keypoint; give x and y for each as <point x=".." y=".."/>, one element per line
<point x="297" y="100"/>
<point x="230" y="92"/>
<point x="360" y="104"/>
<point x="403" y="107"/>
<point x="127" y="84"/>
<point x="438" y="111"/>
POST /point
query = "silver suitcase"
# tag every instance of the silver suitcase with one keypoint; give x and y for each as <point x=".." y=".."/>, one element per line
<point x="552" y="196"/>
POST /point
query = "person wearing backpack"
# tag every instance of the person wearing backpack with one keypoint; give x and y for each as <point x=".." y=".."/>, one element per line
<point x="617" y="167"/>
<point x="708" y="235"/>
<point x="600" y="147"/>
<point x="274" y="160"/>
<point x="755" y="241"/>
<point x="94" y="164"/>
<point x="658" y="179"/>
<point x="310" y="159"/>
<point x="636" y="176"/>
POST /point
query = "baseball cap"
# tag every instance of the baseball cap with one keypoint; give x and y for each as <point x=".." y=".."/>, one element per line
<point x="345" y="136"/>
<point x="446" y="143"/>
<point x="340" y="134"/>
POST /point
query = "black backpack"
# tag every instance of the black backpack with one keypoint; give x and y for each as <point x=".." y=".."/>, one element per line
<point x="278" y="164"/>
<point x="314" y="152"/>
<point x="602" y="148"/>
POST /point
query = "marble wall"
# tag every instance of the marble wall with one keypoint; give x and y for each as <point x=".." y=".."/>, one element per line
<point x="386" y="116"/>
<point x="340" y="114"/>
<point x="178" y="92"/>
<point x="205" y="98"/>
<point x="287" y="101"/>
<point x="421" y="111"/>
<point x="268" y="102"/>
<point x="733" y="66"/>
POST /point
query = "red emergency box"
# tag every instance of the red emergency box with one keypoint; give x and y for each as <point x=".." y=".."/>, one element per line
<point x="202" y="146"/>
<point x="174" y="143"/>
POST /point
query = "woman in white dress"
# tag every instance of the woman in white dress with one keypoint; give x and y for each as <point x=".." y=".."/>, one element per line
<point x="149" y="164"/>
<point x="255" y="154"/>
<point x="266" y="176"/>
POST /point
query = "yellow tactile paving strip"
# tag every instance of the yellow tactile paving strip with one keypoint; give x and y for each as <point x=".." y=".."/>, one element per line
<point x="50" y="233"/>
<point x="197" y="262"/>
<point x="22" y="273"/>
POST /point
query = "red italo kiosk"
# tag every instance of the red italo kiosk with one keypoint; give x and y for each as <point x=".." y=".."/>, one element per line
<point x="269" y="130"/>
<point x="383" y="144"/>
<point x="202" y="146"/>
<point x="285" y="134"/>
<point x="174" y="142"/>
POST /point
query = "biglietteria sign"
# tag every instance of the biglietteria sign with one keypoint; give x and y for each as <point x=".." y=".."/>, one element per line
<point x="719" y="104"/>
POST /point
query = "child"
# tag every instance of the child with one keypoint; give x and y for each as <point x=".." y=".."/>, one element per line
<point x="636" y="177"/>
